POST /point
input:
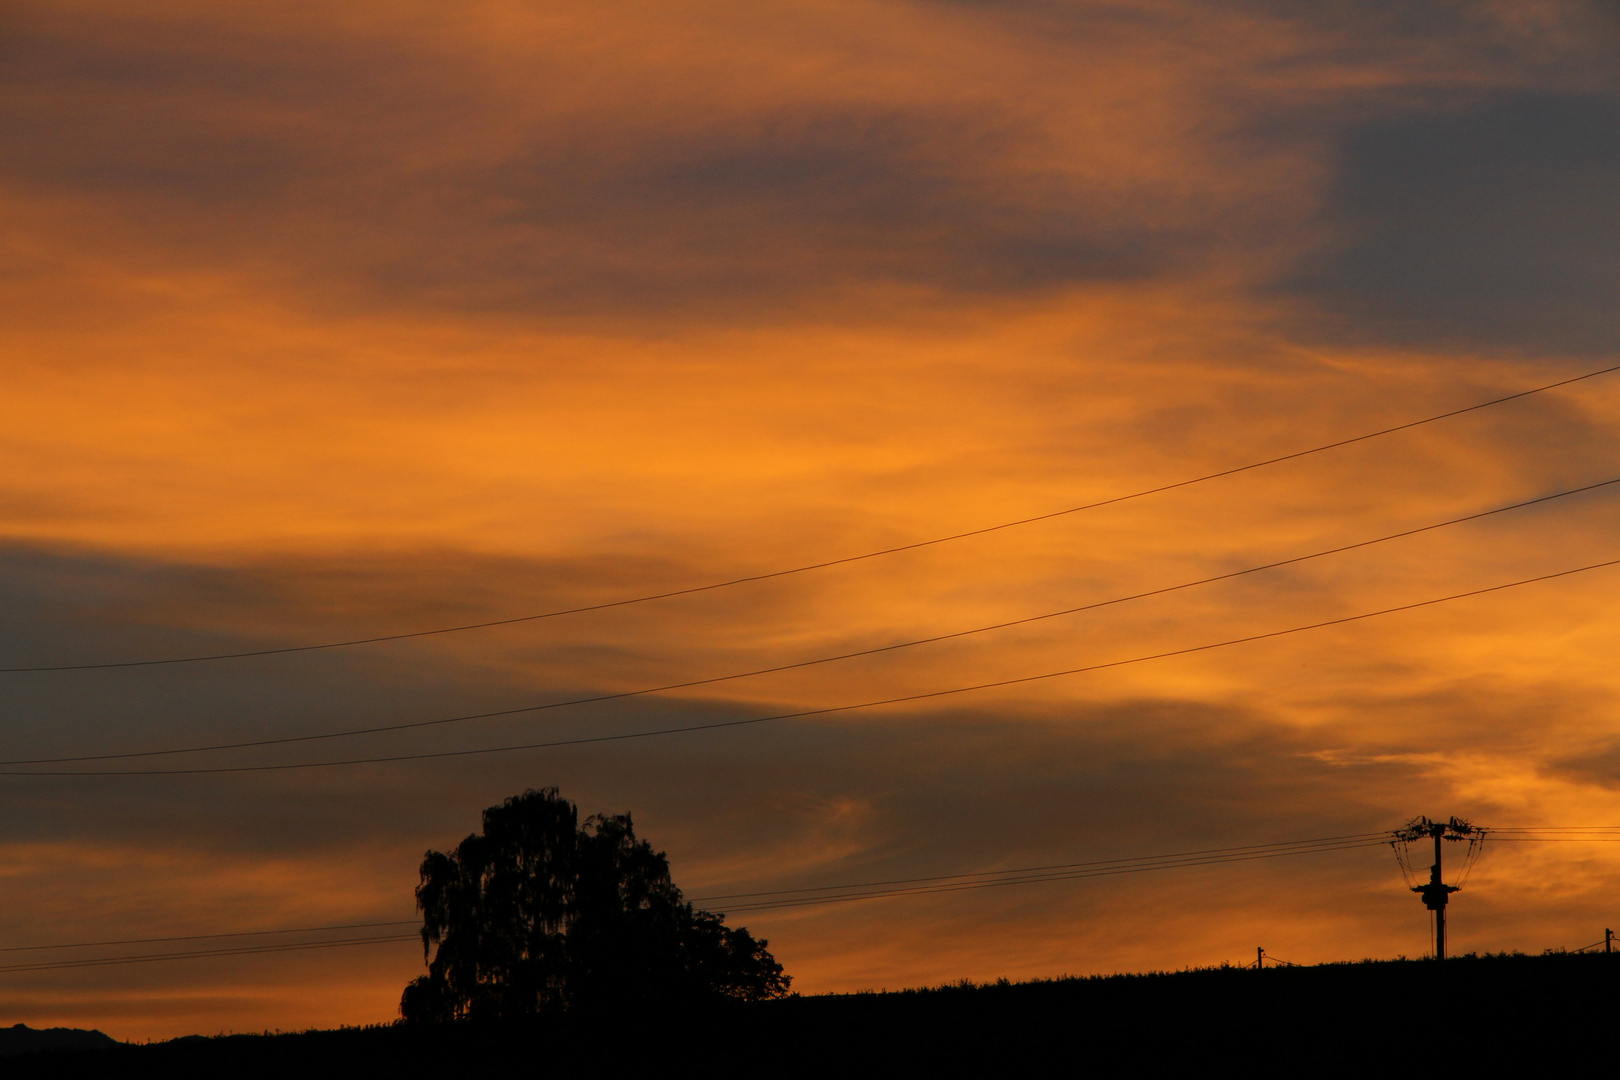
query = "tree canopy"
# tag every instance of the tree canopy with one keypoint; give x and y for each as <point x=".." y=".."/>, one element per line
<point x="539" y="914"/>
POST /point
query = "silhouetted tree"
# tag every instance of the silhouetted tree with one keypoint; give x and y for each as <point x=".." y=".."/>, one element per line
<point x="540" y="914"/>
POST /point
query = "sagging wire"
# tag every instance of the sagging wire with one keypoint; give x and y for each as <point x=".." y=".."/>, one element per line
<point x="1401" y="850"/>
<point x="1476" y="845"/>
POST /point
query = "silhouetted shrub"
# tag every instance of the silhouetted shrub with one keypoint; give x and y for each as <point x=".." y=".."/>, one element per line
<point x="539" y="914"/>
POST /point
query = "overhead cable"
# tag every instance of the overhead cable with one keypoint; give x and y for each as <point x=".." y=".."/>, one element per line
<point x="1033" y="879"/>
<point x="825" y="711"/>
<point x="146" y="958"/>
<point x="690" y="683"/>
<point x="989" y="879"/>
<point x="782" y="898"/>
<point x="1164" y="861"/>
<point x="825" y="564"/>
<point x="205" y="937"/>
<point x="1247" y="848"/>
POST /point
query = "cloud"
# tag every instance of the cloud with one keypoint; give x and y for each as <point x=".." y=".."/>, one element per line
<point x="1598" y="765"/>
<point x="790" y="167"/>
<point x="1489" y="226"/>
<point x="768" y="170"/>
<point x="293" y="151"/>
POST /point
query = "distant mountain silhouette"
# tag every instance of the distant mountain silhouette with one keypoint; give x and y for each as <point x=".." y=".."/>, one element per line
<point x="23" y="1039"/>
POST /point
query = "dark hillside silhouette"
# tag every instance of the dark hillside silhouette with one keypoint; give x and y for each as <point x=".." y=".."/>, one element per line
<point x="1522" y="1015"/>
<point x="22" y="1039"/>
<point x="538" y="914"/>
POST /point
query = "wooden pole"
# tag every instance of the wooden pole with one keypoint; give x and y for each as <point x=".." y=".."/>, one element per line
<point x="1440" y="895"/>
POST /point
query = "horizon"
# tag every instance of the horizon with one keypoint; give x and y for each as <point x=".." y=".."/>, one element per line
<point x="963" y="985"/>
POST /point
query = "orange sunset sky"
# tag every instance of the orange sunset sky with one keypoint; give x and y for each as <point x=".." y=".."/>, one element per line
<point x="331" y="320"/>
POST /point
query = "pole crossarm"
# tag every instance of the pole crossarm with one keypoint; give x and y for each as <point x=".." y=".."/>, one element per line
<point x="1421" y="828"/>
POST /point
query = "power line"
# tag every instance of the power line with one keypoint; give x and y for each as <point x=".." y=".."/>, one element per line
<point x="1558" y="828"/>
<point x="1058" y="866"/>
<point x="597" y="698"/>
<point x="827" y="711"/>
<point x="1026" y="875"/>
<point x="1285" y="847"/>
<point x="788" y="898"/>
<point x="146" y="958"/>
<point x="1042" y="878"/>
<point x="1008" y="878"/>
<point x="204" y="937"/>
<point x="380" y="638"/>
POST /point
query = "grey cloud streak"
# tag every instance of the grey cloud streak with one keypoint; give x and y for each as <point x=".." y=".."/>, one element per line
<point x="226" y="149"/>
<point x="288" y="695"/>
<point x="1491" y="225"/>
<point x="373" y="171"/>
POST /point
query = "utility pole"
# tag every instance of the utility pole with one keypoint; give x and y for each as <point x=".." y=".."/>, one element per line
<point x="1436" y="892"/>
<point x="1608" y="940"/>
<point x="1259" y="957"/>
